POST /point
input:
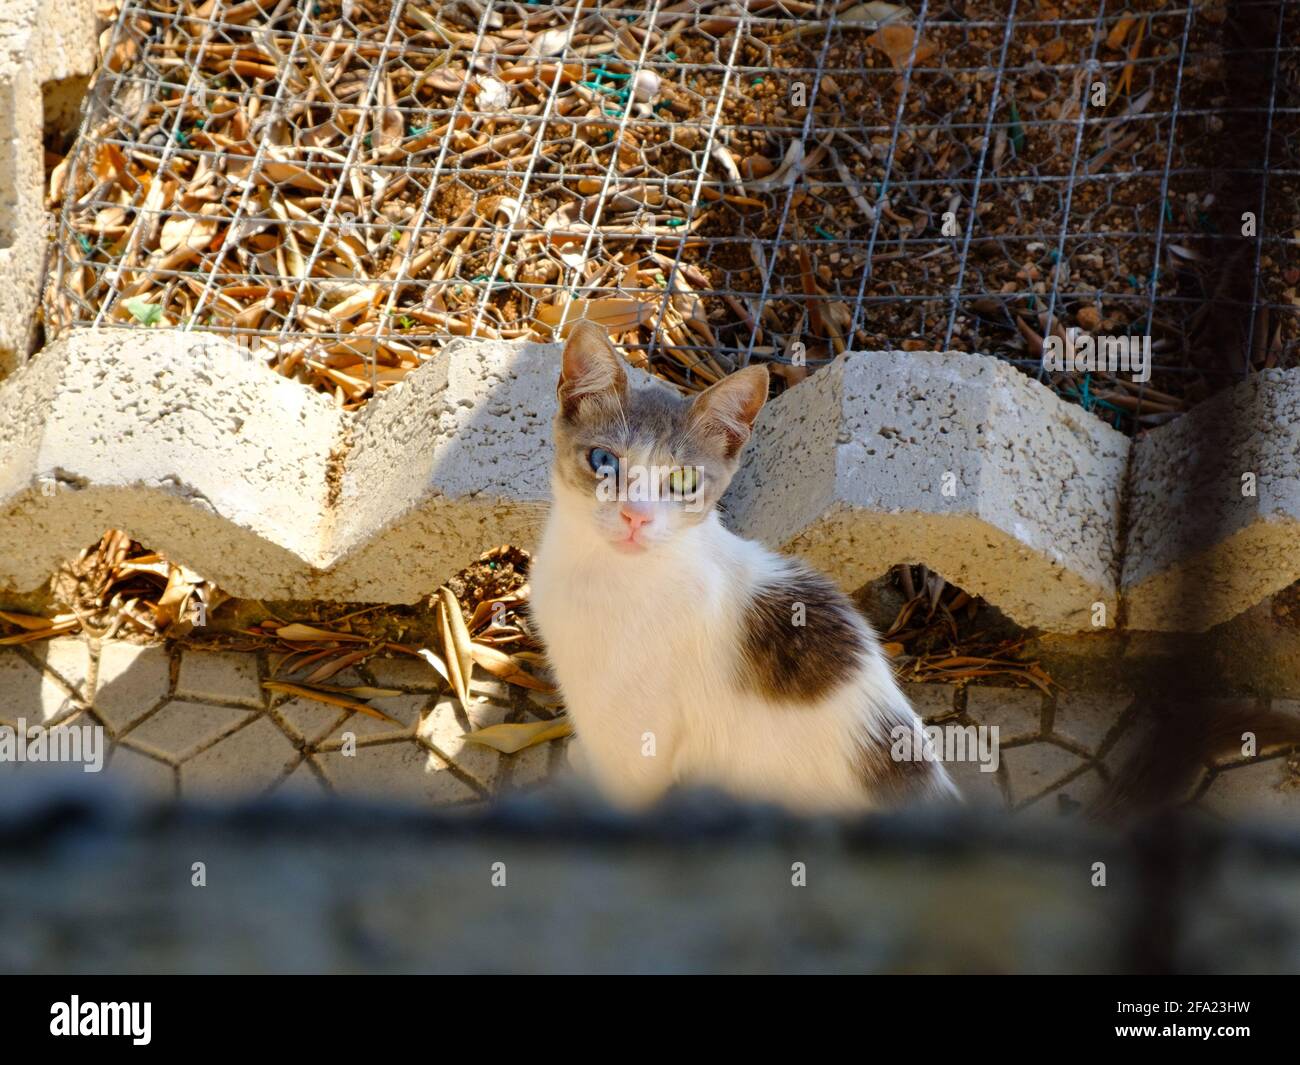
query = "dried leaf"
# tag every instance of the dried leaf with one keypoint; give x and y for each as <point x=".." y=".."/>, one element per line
<point x="509" y="738"/>
<point x="550" y="42"/>
<point x="616" y="315"/>
<point x="896" y="42"/>
<point x="26" y="621"/>
<point x="194" y="233"/>
<point x="330" y="697"/>
<point x="299" y="632"/>
<point x="875" y="14"/>
<point x="507" y="668"/>
<point x="457" y="652"/>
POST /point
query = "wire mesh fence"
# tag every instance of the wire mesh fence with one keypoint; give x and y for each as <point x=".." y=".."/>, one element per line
<point x="348" y="184"/>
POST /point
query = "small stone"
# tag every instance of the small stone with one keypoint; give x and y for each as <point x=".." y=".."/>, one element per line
<point x="1089" y="318"/>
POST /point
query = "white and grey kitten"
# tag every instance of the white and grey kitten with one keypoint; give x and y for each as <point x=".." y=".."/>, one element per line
<point x="684" y="653"/>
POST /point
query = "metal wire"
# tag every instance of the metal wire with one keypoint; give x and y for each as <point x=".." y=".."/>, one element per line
<point x="346" y="185"/>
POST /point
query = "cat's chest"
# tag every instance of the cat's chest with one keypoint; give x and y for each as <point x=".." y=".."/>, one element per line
<point x="638" y="624"/>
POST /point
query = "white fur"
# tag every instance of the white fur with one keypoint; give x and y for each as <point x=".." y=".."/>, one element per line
<point x="646" y="646"/>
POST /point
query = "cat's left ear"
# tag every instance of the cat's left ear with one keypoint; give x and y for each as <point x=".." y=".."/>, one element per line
<point x="591" y="367"/>
<point x="728" y="409"/>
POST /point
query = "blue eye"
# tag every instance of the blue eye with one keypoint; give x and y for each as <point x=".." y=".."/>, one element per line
<point x="602" y="461"/>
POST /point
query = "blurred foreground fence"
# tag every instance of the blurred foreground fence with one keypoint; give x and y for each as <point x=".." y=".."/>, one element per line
<point x="89" y="884"/>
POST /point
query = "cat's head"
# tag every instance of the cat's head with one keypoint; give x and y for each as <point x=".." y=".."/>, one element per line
<point x="643" y="464"/>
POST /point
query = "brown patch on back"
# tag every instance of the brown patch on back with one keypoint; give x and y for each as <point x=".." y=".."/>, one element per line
<point x="800" y="663"/>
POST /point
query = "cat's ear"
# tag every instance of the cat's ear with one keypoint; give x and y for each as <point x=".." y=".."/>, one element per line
<point x="727" y="409"/>
<point x="591" y="367"/>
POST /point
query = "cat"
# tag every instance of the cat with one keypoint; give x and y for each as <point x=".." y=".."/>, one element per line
<point x="685" y="654"/>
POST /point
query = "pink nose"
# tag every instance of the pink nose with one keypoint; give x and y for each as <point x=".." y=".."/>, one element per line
<point x="634" y="517"/>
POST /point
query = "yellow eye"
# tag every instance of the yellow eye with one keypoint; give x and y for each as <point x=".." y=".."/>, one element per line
<point x="682" y="481"/>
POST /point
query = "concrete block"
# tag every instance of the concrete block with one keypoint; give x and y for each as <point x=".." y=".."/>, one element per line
<point x="260" y="484"/>
<point x="453" y="461"/>
<point x="177" y="438"/>
<point x="404" y="708"/>
<point x="954" y="460"/>
<point x="42" y="43"/>
<point x="308" y="719"/>
<point x="977" y="787"/>
<point x="68" y="659"/>
<point x="957" y="461"/>
<point x="1214" y="508"/>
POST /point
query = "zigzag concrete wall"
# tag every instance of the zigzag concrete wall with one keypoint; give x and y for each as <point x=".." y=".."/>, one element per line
<point x="41" y="42"/>
<point x="953" y="460"/>
<point x="1214" y="508"/>
<point x="261" y="485"/>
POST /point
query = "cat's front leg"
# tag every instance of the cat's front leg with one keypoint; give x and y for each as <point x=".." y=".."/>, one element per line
<point x="631" y="771"/>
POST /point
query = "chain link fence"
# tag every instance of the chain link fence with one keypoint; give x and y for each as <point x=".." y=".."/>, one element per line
<point x="348" y="184"/>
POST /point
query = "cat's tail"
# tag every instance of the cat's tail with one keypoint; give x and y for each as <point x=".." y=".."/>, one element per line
<point x="898" y="764"/>
<point x="1179" y="739"/>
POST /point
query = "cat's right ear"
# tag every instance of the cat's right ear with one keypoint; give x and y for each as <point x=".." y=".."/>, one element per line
<point x="591" y="369"/>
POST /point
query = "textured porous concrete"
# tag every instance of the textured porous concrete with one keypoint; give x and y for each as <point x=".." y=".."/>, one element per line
<point x="260" y="484"/>
<point x="473" y="427"/>
<point x="954" y="460"/>
<point x="1214" y="508"/>
<point x="42" y="43"/>
<point x="269" y="490"/>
